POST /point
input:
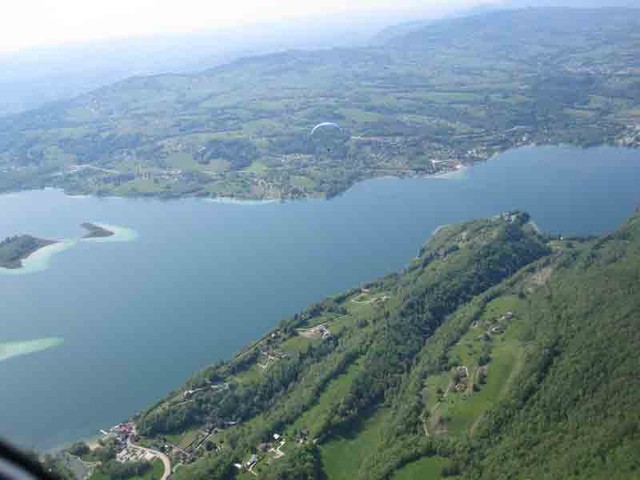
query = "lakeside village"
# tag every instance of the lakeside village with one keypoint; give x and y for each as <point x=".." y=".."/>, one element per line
<point x="126" y="446"/>
<point x="124" y="439"/>
<point x="129" y="447"/>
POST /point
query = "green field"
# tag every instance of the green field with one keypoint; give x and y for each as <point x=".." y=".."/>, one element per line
<point x="428" y="468"/>
<point x="343" y="456"/>
<point x="314" y="418"/>
<point x="456" y="92"/>
<point x="155" y="473"/>
<point x="460" y="412"/>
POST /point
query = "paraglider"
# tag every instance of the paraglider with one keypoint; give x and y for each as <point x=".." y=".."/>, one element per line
<point x="324" y="125"/>
<point x="329" y="138"/>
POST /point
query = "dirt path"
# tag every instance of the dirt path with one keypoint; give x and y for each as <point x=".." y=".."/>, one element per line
<point x="313" y="332"/>
<point x="435" y="407"/>
<point x="424" y="426"/>
<point x="371" y="300"/>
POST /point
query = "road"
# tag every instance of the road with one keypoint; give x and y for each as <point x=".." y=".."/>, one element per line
<point x="165" y="460"/>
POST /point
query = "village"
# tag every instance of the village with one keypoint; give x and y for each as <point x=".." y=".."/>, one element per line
<point x="127" y="445"/>
<point x="182" y="449"/>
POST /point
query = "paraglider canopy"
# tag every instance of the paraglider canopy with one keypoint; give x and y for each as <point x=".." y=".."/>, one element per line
<point x="324" y="125"/>
<point x="329" y="139"/>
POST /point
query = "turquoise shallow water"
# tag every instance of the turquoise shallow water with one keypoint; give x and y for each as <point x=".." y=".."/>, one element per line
<point x="197" y="280"/>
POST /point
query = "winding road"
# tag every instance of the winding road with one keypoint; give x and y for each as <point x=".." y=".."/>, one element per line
<point x="165" y="460"/>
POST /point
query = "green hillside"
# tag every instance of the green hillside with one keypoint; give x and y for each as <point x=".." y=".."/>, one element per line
<point x="496" y="353"/>
<point x="421" y="100"/>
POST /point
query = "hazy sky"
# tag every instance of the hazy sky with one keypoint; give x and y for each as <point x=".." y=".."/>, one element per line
<point x="27" y="23"/>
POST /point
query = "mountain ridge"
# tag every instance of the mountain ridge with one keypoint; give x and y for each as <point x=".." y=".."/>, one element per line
<point x="498" y="352"/>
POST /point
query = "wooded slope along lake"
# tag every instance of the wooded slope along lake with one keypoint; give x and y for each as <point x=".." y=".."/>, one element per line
<point x="193" y="280"/>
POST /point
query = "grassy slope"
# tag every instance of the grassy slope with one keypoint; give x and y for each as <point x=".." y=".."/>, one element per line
<point x="155" y="473"/>
<point x="560" y="389"/>
<point x="428" y="468"/>
<point x="326" y="397"/>
<point x="577" y="408"/>
<point x="566" y="409"/>
<point x="342" y="456"/>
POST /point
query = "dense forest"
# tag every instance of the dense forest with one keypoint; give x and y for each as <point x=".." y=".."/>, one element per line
<point x="414" y="102"/>
<point x="498" y="352"/>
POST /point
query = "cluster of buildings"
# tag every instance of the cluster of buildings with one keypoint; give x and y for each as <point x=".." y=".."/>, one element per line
<point x="499" y="328"/>
<point x="462" y="374"/>
<point x="319" y="331"/>
<point x="325" y="333"/>
<point x="187" y="394"/>
<point x="263" y="449"/>
<point x="121" y="435"/>
<point x="271" y="356"/>
<point x="630" y="138"/>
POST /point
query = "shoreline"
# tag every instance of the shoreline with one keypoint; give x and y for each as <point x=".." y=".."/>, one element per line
<point x="92" y="441"/>
<point x="40" y="259"/>
<point x="243" y="201"/>
<point x="118" y="234"/>
<point x="27" y="246"/>
<point x="433" y="232"/>
<point x="95" y="231"/>
<point x="456" y="173"/>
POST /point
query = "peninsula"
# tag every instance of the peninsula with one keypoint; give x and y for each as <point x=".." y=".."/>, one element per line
<point x="96" y="231"/>
<point x="13" y="250"/>
<point x="476" y="362"/>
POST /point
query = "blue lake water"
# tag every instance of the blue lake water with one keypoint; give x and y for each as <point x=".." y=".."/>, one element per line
<point x="203" y="279"/>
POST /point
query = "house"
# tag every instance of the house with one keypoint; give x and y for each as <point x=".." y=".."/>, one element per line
<point x="327" y="335"/>
<point x="253" y="459"/>
<point x="324" y="331"/>
<point x="276" y="436"/>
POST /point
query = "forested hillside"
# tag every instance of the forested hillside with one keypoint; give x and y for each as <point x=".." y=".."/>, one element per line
<point x="497" y="353"/>
<point x="418" y="101"/>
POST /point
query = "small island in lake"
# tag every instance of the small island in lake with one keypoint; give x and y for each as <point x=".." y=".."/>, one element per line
<point x="15" y="249"/>
<point x="96" y="231"/>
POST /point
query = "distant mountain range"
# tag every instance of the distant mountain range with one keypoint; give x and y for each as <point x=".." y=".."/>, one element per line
<point x="419" y="100"/>
<point x="36" y="76"/>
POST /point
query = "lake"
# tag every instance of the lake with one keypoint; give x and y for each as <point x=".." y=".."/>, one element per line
<point x="123" y="323"/>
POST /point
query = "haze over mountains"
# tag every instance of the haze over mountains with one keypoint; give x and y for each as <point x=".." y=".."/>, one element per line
<point x="35" y="76"/>
<point x="498" y="352"/>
